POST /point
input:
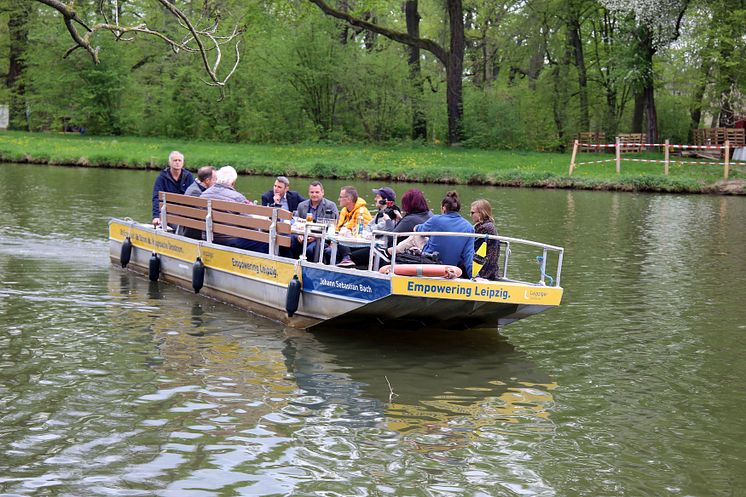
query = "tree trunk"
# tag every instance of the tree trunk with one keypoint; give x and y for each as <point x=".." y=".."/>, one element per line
<point x="612" y="122"/>
<point x="645" y="95"/>
<point x="454" y="72"/>
<point x="419" y="123"/>
<point x="651" y="115"/>
<point x="695" y="111"/>
<point x="647" y="92"/>
<point x="573" y="33"/>
<point x="18" y="28"/>
<point x="638" y="113"/>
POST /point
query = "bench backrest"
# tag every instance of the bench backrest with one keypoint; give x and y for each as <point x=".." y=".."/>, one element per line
<point x="252" y="222"/>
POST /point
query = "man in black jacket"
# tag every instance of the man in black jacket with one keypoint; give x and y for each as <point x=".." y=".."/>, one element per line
<point x="282" y="196"/>
<point x="173" y="179"/>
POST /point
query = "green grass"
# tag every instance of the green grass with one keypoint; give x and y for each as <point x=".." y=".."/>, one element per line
<point x="429" y="164"/>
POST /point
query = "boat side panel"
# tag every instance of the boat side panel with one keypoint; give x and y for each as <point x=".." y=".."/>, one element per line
<point x="254" y="282"/>
<point x="153" y="240"/>
<point x="482" y="291"/>
<point x="257" y="267"/>
<point x="345" y="284"/>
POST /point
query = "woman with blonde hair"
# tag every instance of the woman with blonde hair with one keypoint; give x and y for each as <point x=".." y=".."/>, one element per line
<point x="481" y="214"/>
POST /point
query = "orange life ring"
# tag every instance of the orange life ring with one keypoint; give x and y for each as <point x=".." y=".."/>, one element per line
<point x="430" y="270"/>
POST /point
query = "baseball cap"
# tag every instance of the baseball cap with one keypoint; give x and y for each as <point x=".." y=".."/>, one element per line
<point x="386" y="193"/>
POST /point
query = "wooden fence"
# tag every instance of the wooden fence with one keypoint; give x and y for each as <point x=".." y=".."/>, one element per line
<point x="620" y="147"/>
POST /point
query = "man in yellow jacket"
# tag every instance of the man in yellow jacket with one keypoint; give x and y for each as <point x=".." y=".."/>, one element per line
<point x="352" y="207"/>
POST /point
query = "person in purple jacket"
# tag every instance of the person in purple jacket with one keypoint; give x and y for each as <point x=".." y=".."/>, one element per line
<point x="453" y="250"/>
<point x="173" y="179"/>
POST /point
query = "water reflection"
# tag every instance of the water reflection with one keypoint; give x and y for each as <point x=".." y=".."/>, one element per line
<point x="246" y="397"/>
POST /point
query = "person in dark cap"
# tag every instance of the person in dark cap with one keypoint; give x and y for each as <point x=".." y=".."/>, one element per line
<point x="388" y="212"/>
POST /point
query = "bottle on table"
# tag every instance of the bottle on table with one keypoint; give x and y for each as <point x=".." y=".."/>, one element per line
<point x="360" y="224"/>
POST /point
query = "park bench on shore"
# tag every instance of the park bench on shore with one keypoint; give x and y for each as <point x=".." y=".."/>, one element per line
<point x="251" y="222"/>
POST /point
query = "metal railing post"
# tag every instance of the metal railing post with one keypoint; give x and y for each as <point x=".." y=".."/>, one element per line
<point x="208" y="222"/>
<point x="273" y="234"/>
<point x="164" y="220"/>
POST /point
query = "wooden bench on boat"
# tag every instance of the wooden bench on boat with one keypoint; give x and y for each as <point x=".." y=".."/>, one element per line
<point x="251" y="222"/>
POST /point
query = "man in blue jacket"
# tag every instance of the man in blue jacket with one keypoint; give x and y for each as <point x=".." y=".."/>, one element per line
<point x="282" y="196"/>
<point x="173" y="179"/>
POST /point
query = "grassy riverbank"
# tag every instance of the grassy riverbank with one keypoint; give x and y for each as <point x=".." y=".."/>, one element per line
<point x="429" y="164"/>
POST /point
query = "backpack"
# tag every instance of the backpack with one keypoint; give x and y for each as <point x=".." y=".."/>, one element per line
<point x="415" y="256"/>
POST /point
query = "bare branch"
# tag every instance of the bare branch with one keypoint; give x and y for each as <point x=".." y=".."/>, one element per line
<point x="425" y="44"/>
<point x="193" y="41"/>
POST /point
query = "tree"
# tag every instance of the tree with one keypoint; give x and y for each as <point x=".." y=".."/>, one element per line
<point x="419" y="123"/>
<point x="656" y="24"/>
<point x="18" y="28"/>
<point x="197" y="36"/>
<point x="573" y="21"/>
<point x="452" y="58"/>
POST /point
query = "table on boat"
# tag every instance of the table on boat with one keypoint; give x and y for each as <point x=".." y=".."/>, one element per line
<point x="349" y="241"/>
<point x="320" y="232"/>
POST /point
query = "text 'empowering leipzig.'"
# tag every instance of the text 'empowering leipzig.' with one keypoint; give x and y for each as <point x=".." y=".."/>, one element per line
<point x="329" y="296"/>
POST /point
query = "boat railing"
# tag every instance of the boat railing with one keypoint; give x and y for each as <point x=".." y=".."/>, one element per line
<point x="545" y="279"/>
<point x="274" y="223"/>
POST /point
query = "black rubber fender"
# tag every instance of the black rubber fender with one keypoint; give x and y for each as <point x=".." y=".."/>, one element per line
<point x="126" y="253"/>
<point x="198" y="275"/>
<point x="154" y="267"/>
<point x="293" y="296"/>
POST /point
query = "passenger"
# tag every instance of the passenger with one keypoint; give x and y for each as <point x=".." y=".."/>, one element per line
<point x="321" y="209"/>
<point x="224" y="189"/>
<point x="416" y="211"/>
<point x="389" y="213"/>
<point x="206" y="177"/>
<point x="173" y="179"/>
<point x="352" y="208"/>
<point x="481" y="214"/>
<point x="282" y="196"/>
<point x="453" y="250"/>
<point x="386" y="219"/>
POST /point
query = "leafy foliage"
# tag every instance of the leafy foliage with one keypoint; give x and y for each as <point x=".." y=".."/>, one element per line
<point x="305" y="77"/>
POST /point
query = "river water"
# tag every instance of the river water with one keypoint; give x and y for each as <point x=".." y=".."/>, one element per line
<point x="112" y="385"/>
